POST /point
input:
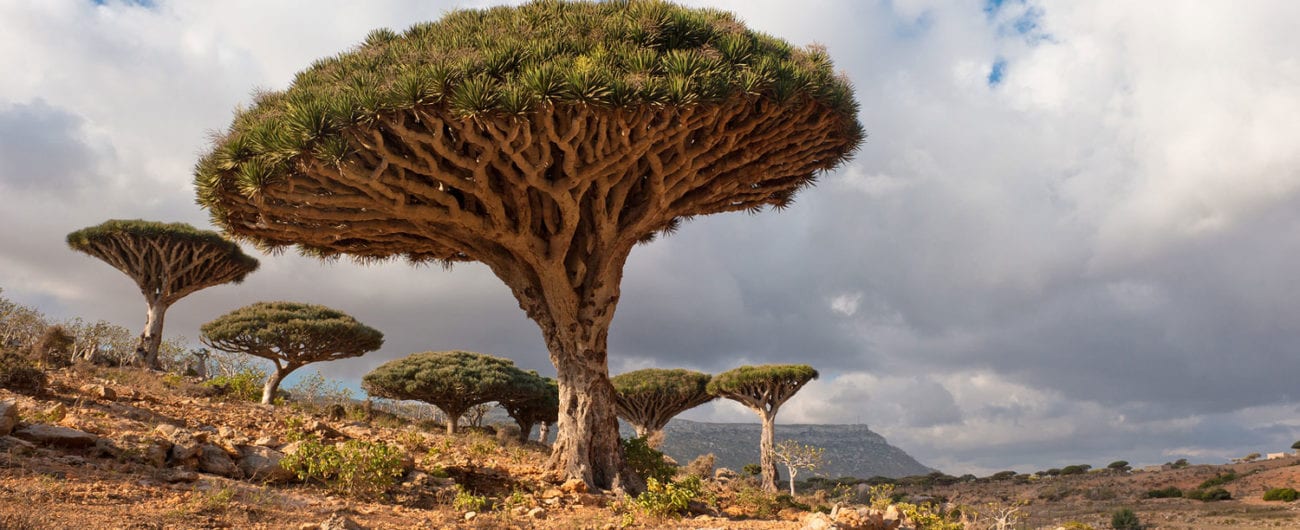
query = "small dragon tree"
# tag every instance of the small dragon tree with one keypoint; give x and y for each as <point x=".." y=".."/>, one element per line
<point x="453" y="381"/>
<point x="648" y="398"/>
<point x="545" y="141"/>
<point x="763" y="389"/>
<point x="537" y="401"/>
<point x="168" y="261"/>
<point x="796" y="456"/>
<point x="291" y="335"/>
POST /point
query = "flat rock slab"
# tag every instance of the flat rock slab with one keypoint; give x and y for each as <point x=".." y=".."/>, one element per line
<point x="55" y="435"/>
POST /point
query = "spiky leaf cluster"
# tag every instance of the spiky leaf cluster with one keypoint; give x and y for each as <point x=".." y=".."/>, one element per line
<point x="451" y="380"/>
<point x="513" y="61"/>
<point x="291" y="332"/>
<point x="763" y="388"/>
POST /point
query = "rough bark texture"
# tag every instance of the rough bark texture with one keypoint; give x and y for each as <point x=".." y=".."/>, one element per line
<point x="151" y="337"/>
<point x="273" y="383"/>
<point x="553" y="204"/>
<point x="766" y="446"/>
<point x="544" y="432"/>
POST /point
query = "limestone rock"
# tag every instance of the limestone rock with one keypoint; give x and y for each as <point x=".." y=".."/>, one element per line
<point x="99" y="391"/>
<point x="8" y="417"/>
<point x="262" y="464"/>
<point x="16" y="446"/>
<point x="55" y="435"/>
<point x="537" y="513"/>
<point x="723" y="474"/>
<point x="574" y="485"/>
<point x="267" y="441"/>
<point x="340" y="522"/>
<point x="213" y="459"/>
<point x="818" y="521"/>
<point x="173" y="476"/>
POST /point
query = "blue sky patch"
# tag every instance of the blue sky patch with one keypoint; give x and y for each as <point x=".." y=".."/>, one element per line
<point x="997" y="72"/>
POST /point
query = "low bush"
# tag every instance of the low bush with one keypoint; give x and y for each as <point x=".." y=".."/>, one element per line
<point x="646" y="461"/>
<point x="752" y="469"/>
<point x="1125" y="519"/>
<point x="662" y="499"/>
<point x="356" y="468"/>
<point x="1281" y="494"/>
<point x="1172" y="492"/>
<point x="19" y="374"/>
<point x="242" y="386"/>
<point x="466" y="501"/>
<point x="1218" y="480"/>
<point x="1208" y="495"/>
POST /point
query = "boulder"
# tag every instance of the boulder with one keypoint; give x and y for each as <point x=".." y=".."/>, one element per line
<point x="8" y="417"/>
<point x="55" y="435"/>
<point x="213" y="459"/>
<point x="818" y="521"/>
<point x="15" y="446"/>
<point x="340" y="522"/>
<point x="98" y="391"/>
<point x="537" y="513"/>
<point x="574" y="485"/>
<point x="262" y="464"/>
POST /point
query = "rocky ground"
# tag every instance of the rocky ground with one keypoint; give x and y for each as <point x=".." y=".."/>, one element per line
<point x="125" y="448"/>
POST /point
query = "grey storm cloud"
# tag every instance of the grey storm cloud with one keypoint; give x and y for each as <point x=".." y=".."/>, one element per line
<point x="1089" y="258"/>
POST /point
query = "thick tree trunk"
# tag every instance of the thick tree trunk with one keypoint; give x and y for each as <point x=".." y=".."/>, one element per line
<point x="453" y="419"/>
<point x="151" y="337"/>
<point x="765" y="449"/>
<point x="544" y="432"/>
<point x="588" y="445"/>
<point x="525" y="429"/>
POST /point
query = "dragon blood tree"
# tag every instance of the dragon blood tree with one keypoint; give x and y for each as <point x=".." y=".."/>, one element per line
<point x="536" y="400"/>
<point x="291" y="335"/>
<point x="168" y="261"/>
<point x="763" y="389"/>
<point x="544" y="141"/>
<point x="453" y="381"/>
<point x="648" y="398"/>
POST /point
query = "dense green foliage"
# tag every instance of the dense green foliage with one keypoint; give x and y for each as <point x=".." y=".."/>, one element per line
<point x="292" y="331"/>
<point x="1119" y="465"/>
<point x="534" y="399"/>
<point x="1172" y="492"/>
<point x="511" y="60"/>
<point x="1125" y="519"/>
<point x="453" y="381"/>
<point x="647" y="462"/>
<point x="153" y="230"/>
<point x="1077" y="469"/>
<point x="679" y="383"/>
<point x="767" y="374"/>
<point x="356" y="467"/>
<point x="1281" y="494"/>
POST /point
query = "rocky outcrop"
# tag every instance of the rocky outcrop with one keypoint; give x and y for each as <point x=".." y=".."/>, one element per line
<point x="213" y="459"/>
<point x="262" y="464"/>
<point x="8" y="417"/>
<point x="55" y="436"/>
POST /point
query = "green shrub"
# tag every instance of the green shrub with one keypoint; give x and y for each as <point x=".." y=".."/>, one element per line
<point x="357" y="468"/>
<point x="1172" y="492"/>
<point x="18" y="374"/>
<point x="756" y="502"/>
<point x="1077" y="469"/>
<point x="1218" y="480"/>
<point x="1281" y="494"/>
<point x="752" y="469"/>
<point x="663" y="499"/>
<point x="1208" y="495"/>
<point x="1125" y="519"/>
<point x="242" y="386"/>
<point x="646" y="461"/>
<point x="468" y="502"/>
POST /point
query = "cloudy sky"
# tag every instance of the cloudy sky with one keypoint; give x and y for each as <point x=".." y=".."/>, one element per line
<point x="1072" y="236"/>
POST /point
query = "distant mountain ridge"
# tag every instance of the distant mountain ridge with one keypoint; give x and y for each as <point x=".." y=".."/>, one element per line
<point x="851" y="450"/>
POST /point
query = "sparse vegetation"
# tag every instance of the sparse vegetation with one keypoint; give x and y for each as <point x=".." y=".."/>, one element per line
<point x="662" y="499"/>
<point x="1281" y="494"/>
<point x="1171" y="492"/>
<point x="1207" y="495"/>
<point x="1125" y="519"/>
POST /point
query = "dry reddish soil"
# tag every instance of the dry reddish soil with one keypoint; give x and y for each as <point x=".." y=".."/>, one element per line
<point x="115" y="484"/>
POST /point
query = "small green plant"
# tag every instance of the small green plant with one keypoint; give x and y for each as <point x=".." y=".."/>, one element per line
<point x="646" y="461"/>
<point x="245" y="385"/>
<point x="466" y="501"/>
<point x="1208" y="495"/>
<point x="1125" y="519"/>
<point x="756" y="502"/>
<point x="752" y="469"/>
<point x="1281" y="494"/>
<point x="1172" y="492"/>
<point x="356" y="468"/>
<point x="1218" y="480"/>
<point x="662" y="499"/>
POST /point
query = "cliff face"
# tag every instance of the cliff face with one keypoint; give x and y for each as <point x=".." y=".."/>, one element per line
<point x="851" y="450"/>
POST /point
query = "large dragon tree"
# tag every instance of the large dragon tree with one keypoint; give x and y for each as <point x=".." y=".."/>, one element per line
<point x="453" y="381"/>
<point x="648" y="398"/>
<point x="544" y="141"/>
<point x="763" y="389"/>
<point x="290" y="335"/>
<point x="168" y="261"/>
<point x="536" y="400"/>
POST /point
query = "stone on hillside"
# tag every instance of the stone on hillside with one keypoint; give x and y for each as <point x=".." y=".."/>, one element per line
<point x="262" y="464"/>
<point x="574" y="485"/>
<point x="322" y="429"/>
<point x="357" y="430"/>
<point x="340" y="522"/>
<point x="818" y="521"/>
<point x="8" y="417"/>
<point x="724" y="474"/>
<point x="15" y="446"/>
<point x="56" y="413"/>
<point x="267" y="441"/>
<point x="173" y="476"/>
<point x="213" y="459"/>
<point x="537" y="513"/>
<point x="99" y="391"/>
<point x="55" y="435"/>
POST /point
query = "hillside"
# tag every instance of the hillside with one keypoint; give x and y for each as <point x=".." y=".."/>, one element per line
<point x="851" y="450"/>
